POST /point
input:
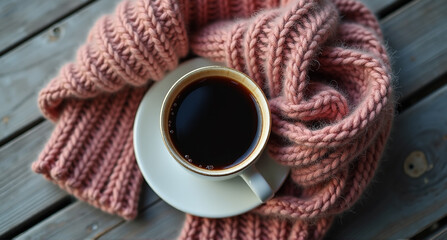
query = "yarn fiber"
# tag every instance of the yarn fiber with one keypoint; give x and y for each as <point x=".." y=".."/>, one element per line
<point x="321" y="63"/>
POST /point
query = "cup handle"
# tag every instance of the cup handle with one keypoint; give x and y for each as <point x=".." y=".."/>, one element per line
<point x="257" y="183"/>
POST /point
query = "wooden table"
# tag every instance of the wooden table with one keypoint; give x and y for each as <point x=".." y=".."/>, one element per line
<point x="407" y="199"/>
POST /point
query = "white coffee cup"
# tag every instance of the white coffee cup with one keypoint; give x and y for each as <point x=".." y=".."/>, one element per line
<point x="246" y="166"/>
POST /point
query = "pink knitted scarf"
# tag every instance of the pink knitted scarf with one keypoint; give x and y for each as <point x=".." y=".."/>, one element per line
<point x="321" y="63"/>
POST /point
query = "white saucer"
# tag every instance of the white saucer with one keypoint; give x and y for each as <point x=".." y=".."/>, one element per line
<point x="176" y="186"/>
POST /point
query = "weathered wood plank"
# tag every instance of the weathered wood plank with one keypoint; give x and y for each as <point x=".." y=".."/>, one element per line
<point x="24" y="194"/>
<point x="82" y="221"/>
<point x="26" y="69"/>
<point x="77" y="221"/>
<point x="409" y="191"/>
<point x="20" y="19"/>
<point x="159" y="221"/>
<point x="418" y="35"/>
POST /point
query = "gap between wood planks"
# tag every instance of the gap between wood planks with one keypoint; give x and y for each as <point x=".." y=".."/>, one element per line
<point x="437" y="230"/>
<point x="64" y="202"/>
<point x="22" y="130"/>
<point x="44" y="27"/>
<point x="422" y="93"/>
<point x="382" y="13"/>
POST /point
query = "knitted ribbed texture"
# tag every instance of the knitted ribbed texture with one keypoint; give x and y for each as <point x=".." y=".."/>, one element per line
<point x="321" y="63"/>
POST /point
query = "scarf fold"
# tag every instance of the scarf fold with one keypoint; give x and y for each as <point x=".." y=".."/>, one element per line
<point x="321" y="63"/>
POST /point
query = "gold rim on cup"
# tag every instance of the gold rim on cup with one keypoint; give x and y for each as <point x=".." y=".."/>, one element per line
<point x="261" y="104"/>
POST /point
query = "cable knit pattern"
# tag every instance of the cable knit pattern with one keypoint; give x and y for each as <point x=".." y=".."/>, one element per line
<point x="321" y="63"/>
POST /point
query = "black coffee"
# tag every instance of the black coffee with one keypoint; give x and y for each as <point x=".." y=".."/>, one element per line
<point x="213" y="123"/>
